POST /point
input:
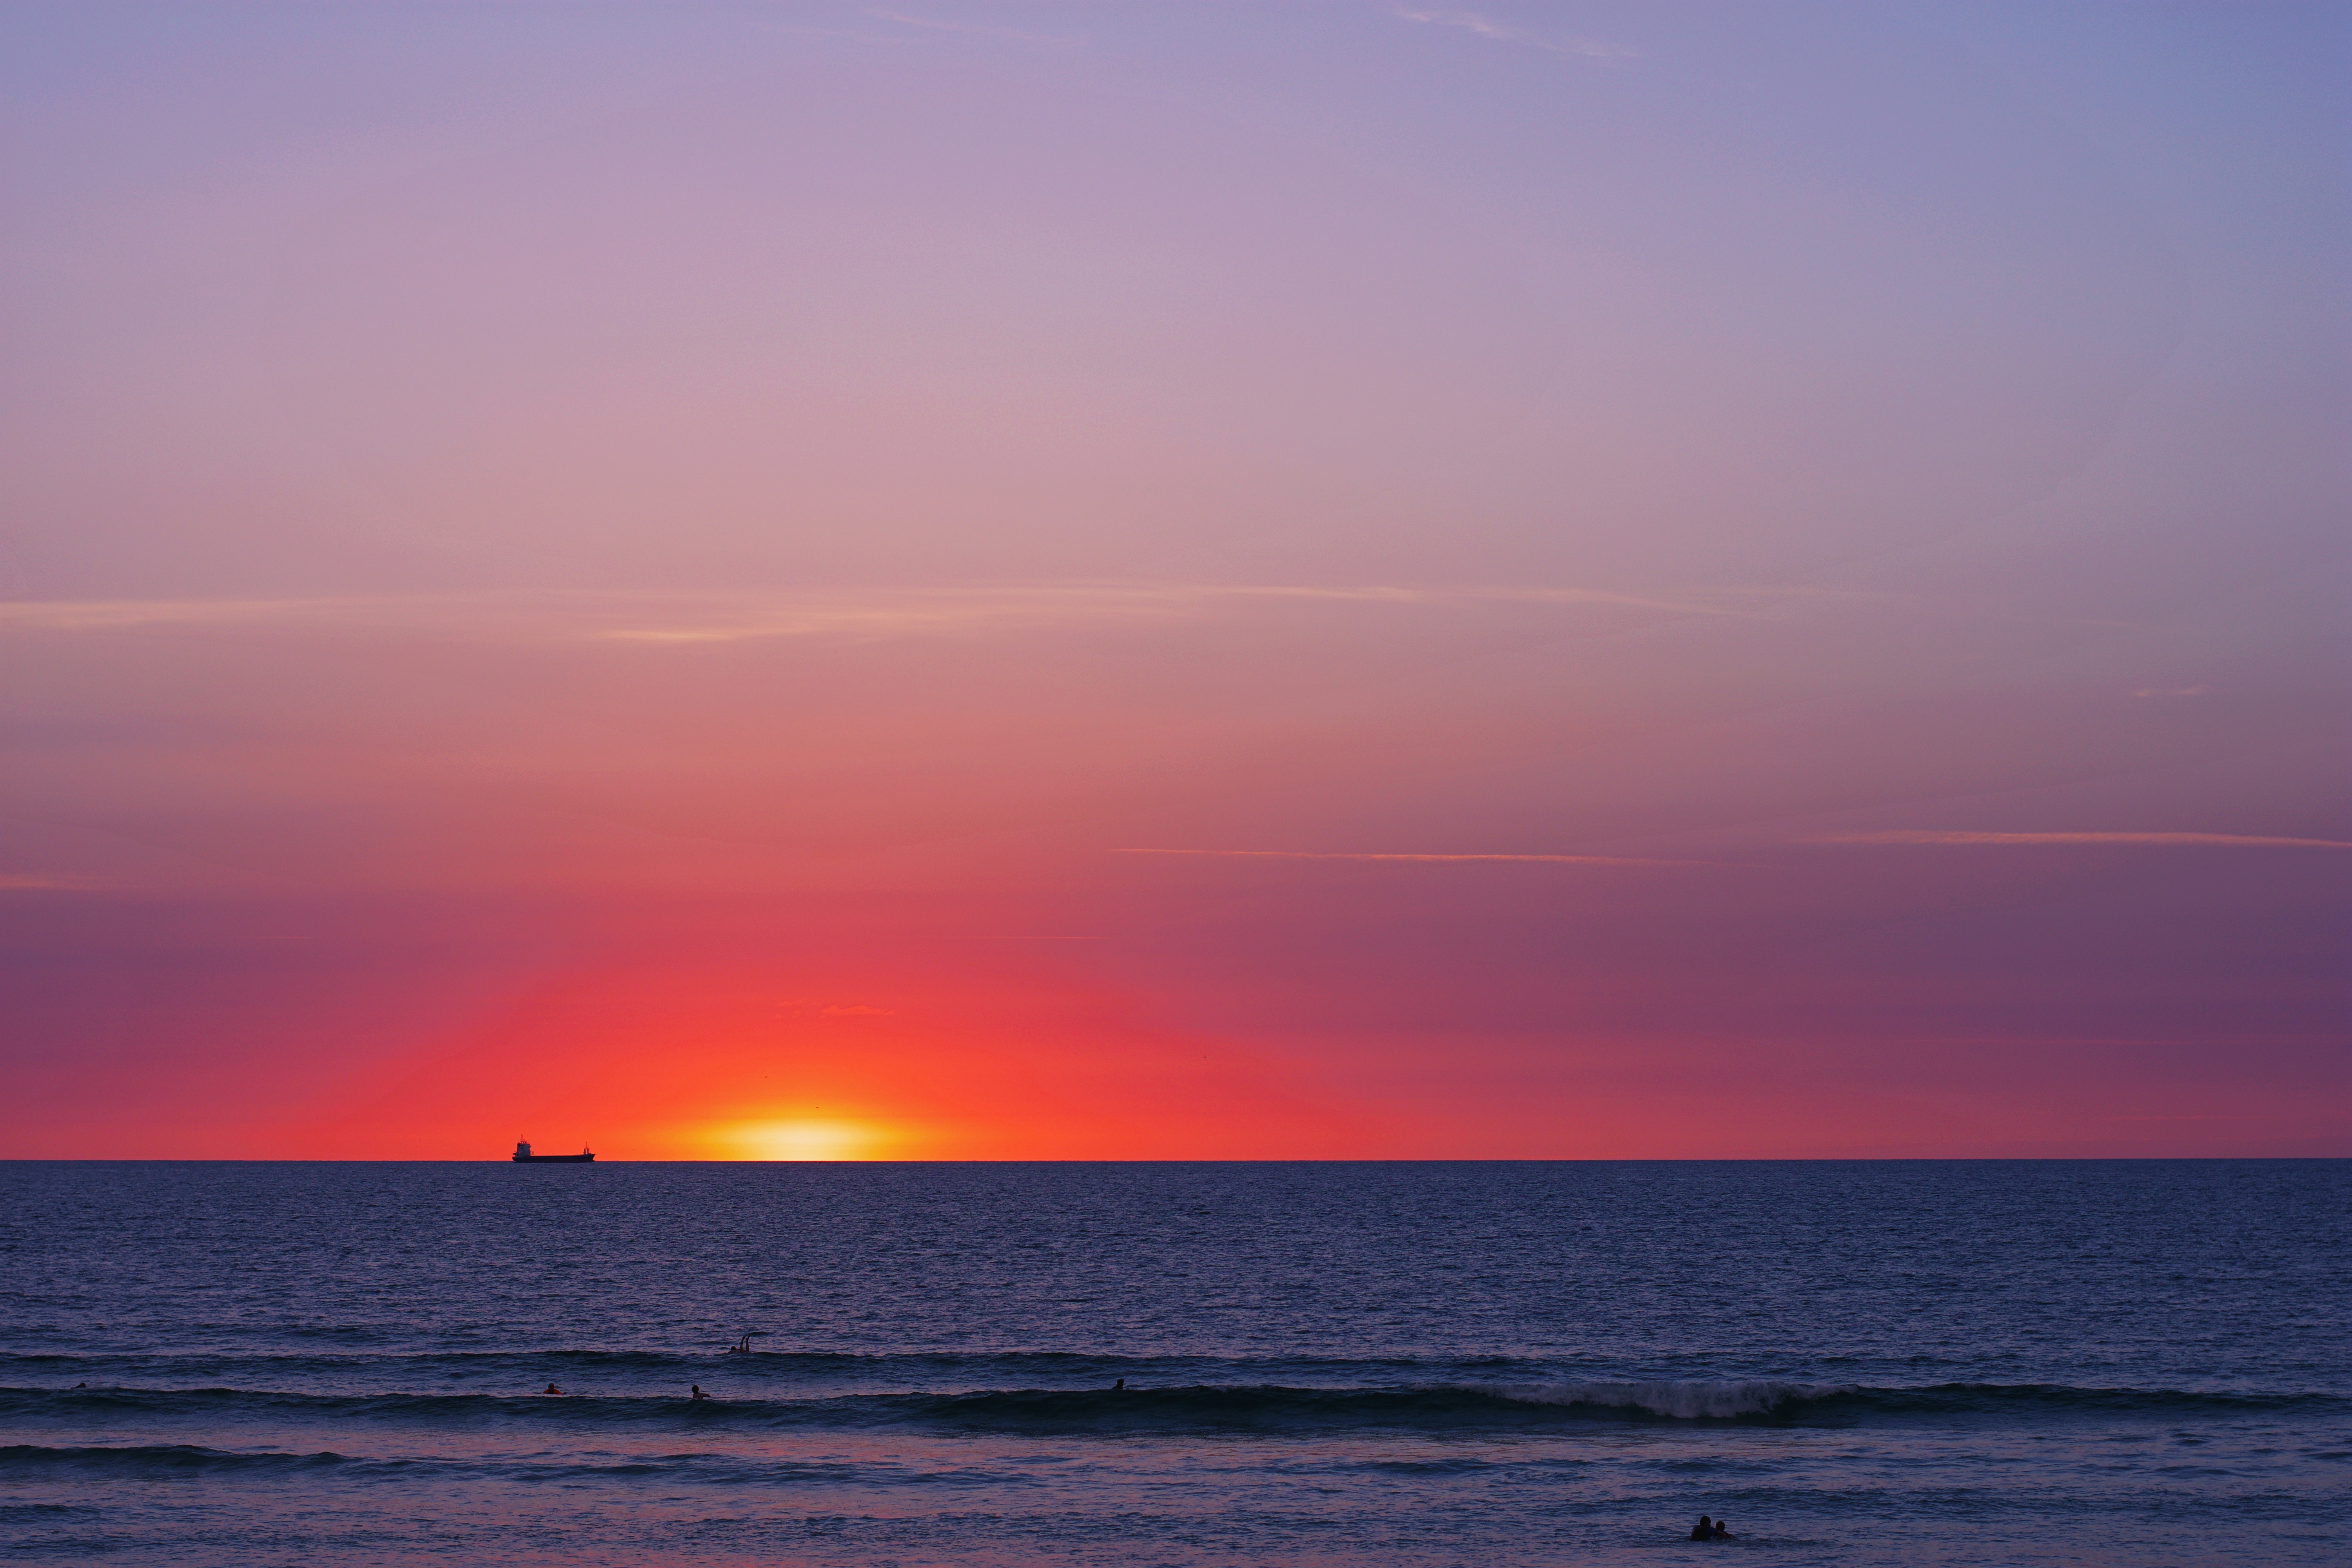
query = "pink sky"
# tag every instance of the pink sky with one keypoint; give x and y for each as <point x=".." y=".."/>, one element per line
<point x="1096" y="581"/>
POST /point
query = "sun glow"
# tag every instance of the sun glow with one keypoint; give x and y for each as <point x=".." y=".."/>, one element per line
<point x="804" y="1138"/>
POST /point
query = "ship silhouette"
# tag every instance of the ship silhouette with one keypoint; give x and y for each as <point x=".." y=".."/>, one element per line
<point x="523" y="1156"/>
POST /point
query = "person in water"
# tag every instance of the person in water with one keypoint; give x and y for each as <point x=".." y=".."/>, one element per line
<point x="1722" y="1532"/>
<point x="1703" y="1530"/>
<point x="1119" y="1387"/>
<point x="550" y="1388"/>
<point x="697" y="1391"/>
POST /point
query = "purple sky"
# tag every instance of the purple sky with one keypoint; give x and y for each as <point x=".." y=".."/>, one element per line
<point x="1678" y="579"/>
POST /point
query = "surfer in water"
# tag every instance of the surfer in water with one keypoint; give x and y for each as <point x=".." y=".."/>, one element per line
<point x="1119" y="1387"/>
<point x="698" y="1391"/>
<point x="550" y="1388"/>
<point x="1703" y="1530"/>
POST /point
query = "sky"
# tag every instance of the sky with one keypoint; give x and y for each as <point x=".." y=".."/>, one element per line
<point x="963" y="579"/>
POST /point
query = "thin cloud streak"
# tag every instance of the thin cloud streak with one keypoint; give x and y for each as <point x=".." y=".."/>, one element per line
<point x="661" y="617"/>
<point x="2225" y="840"/>
<point x="1503" y="33"/>
<point x="920" y="612"/>
<point x="120" y="614"/>
<point x="1348" y="855"/>
<point x="979" y="29"/>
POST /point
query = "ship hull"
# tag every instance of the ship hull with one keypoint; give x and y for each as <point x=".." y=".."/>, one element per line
<point x="553" y="1159"/>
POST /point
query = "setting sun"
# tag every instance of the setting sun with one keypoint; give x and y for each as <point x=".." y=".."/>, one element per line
<point x="803" y="1139"/>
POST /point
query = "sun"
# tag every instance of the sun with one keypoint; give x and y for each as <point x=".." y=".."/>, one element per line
<point x="804" y="1138"/>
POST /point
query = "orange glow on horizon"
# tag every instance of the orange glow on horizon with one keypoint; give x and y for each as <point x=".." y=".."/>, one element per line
<point x="852" y="1049"/>
<point x="807" y="1137"/>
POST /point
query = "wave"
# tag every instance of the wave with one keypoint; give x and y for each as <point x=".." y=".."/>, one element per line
<point x="785" y="1362"/>
<point x="1263" y="1407"/>
<point x="1683" y="1401"/>
<point x="1731" y="1400"/>
<point x="1994" y="1398"/>
<point x="29" y="1460"/>
<point x="187" y="1461"/>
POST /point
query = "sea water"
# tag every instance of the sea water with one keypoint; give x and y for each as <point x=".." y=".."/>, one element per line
<point x="2124" y="1363"/>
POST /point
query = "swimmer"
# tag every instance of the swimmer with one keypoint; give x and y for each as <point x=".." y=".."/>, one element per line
<point x="1703" y="1530"/>
<point x="1119" y="1387"/>
<point x="697" y="1391"/>
<point x="1722" y="1532"/>
<point x="550" y="1388"/>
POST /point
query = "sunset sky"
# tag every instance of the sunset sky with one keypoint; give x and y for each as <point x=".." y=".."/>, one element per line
<point x="790" y="580"/>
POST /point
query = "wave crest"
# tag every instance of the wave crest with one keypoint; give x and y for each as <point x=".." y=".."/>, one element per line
<point x="1268" y="1408"/>
<point x="1693" y="1401"/>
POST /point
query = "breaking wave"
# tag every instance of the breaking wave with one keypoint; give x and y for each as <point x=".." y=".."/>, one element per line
<point x="1267" y="1408"/>
<point x="1683" y="1401"/>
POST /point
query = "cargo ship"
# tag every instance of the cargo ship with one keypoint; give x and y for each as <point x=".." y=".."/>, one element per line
<point x="523" y="1156"/>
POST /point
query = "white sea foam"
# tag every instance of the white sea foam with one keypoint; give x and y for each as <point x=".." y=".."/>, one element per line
<point x="1690" y="1401"/>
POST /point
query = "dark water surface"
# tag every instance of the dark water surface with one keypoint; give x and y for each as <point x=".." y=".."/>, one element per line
<point x="1490" y="1363"/>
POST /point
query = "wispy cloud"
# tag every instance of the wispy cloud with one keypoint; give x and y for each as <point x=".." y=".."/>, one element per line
<point x="656" y="617"/>
<point x="2226" y="840"/>
<point x="1507" y="33"/>
<point x="116" y="615"/>
<point x="981" y="29"/>
<point x="1355" y="855"/>
<point x="790" y="31"/>
<point x="920" y="612"/>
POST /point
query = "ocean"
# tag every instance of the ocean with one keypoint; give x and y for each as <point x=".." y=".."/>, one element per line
<point x="1408" y="1363"/>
